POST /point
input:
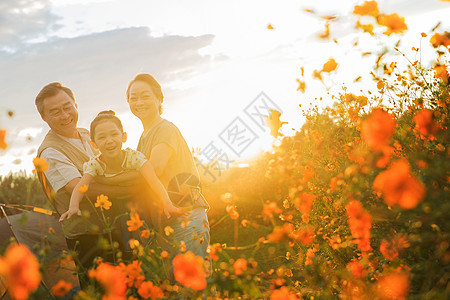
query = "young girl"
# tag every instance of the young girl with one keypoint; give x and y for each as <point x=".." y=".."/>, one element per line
<point x="107" y="136"/>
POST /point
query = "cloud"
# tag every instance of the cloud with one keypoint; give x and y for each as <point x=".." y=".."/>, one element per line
<point x="97" y="68"/>
<point x="25" y="20"/>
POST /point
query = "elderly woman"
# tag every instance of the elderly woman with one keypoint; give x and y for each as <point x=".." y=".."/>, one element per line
<point x="162" y="143"/>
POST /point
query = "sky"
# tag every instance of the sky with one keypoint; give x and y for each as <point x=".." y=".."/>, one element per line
<point x="215" y="60"/>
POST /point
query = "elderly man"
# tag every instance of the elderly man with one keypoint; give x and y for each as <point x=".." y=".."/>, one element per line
<point x="66" y="147"/>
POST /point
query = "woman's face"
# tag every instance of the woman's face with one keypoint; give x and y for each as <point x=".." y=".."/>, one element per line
<point x="142" y="101"/>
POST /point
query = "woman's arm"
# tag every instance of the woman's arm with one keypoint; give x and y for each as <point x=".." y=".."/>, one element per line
<point x="76" y="197"/>
<point x="155" y="184"/>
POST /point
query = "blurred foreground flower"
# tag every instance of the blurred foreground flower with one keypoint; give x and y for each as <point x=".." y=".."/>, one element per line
<point x="111" y="279"/>
<point x="283" y="293"/>
<point x="231" y="210"/>
<point x="40" y="164"/>
<point x="368" y="8"/>
<point x="393" y="22"/>
<point x="148" y="290"/>
<point x="393" y="285"/>
<point x="3" y="144"/>
<point x="21" y="270"/>
<point x="377" y="129"/>
<point x="425" y="123"/>
<point x="61" y="288"/>
<point x="440" y="39"/>
<point x="240" y="265"/>
<point x="398" y="185"/>
<point x="188" y="270"/>
<point x="360" y="222"/>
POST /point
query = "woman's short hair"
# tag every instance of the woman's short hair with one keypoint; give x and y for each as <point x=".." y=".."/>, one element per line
<point x="152" y="82"/>
<point x="51" y="90"/>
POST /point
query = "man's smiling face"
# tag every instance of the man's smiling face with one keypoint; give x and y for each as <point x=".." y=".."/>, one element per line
<point x="60" y="113"/>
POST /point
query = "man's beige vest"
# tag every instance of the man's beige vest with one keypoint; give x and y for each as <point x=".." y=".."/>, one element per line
<point x="89" y="223"/>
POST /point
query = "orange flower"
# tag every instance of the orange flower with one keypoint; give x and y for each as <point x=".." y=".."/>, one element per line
<point x="357" y="269"/>
<point x="148" y="290"/>
<point x="393" y="285"/>
<point x="271" y="208"/>
<point x="188" y="270"/>
<point x="112" y="280"/>
<point x="3" y="144"/>
<point x="135" y="222"/>
<point x="231" y="209"/>
<point x="360" y="222"/>
<point x="365" y="27"/>
<point x="304" y="235"/>
<point x="83" y="189"/>
<point x="283" y="293"/>
<point x="393" y="22"/>
<point x="280" y="233"/>
<point x="132" y="273"/>
<point x="301" y="86"/>
<point x="145" y="234"/>
<point x="390" y="249"/>
<point x="240" y="265"/>
<point x="377" y="129"/>
<point x="270" y="27"/>
<point x="440" y="39"/>
<point x="368" y="8"/>
<point x="309" y="256"/>
<point x="425" y="123"/>
<point x="21" y="270"/>
<point x="440" y="71"/>
<point x="213" y="250"/>
<point x="329" y="66"/>
<point x="304" y="202"/>
<point x="103" y="202"/>
<point x="40" y="164"/>
<point x="398" y="186"/>
<point x="380" y="85"/>
<point x="61" y="288"/>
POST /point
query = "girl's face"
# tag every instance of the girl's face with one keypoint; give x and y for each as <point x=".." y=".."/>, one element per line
<point x="142" y="101"/>
<point x="109" y="138"/>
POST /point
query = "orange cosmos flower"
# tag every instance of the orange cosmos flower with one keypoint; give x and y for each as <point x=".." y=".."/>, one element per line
<point x="377" y="129"/>
<point x="3" y="144"/>
<point x="21" y="270"/>
<point x="425" y="123"/>
<point x="40" y="164"/>
<point x="148" y="290"/>
<point x="112" y="280"/>
<point x="329" y="66"/>
<point x="280" y="233"/>
<point x="270" y="27"/>
<point x="214" y="250"/>
<point x="304" y="235"/>
<point x="440" y="71"/>
<point x="357" y="269"/>
<point x="188" y="270"/>
<point x="231" y="209"/>
<point x="240" y="265"/>
<point x="271" y="208"/>
<point x="132" y="273"/>
<point x="398" y="186"/>
<point x="145" y="234"/>
<point x="103" y="202"/>
<point x="83" y="189"/>
<point x="393" y="22"/>
<point x="440" y="39"/>
<point x="61" y="288"/>
<point x="368" y="8"/>
<point x="309" y="256"/>
<point x="380" y="85"/>
<point x="283" y="293"/>
<point x="301" y="86"/>
<point x="304" y="202"/>
<point x="365" y="27"/>
<point x="393" y="285"/>
<point x="390" y="249"/>
<point x="360" y="222"/>
<point x="135" y="222"/>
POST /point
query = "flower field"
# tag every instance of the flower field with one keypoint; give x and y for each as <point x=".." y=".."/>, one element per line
<point x="354" y="205"/>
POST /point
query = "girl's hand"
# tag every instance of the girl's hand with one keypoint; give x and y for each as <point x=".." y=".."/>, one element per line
<point x="172" y="210"/>
<point x="72" y="211"/>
